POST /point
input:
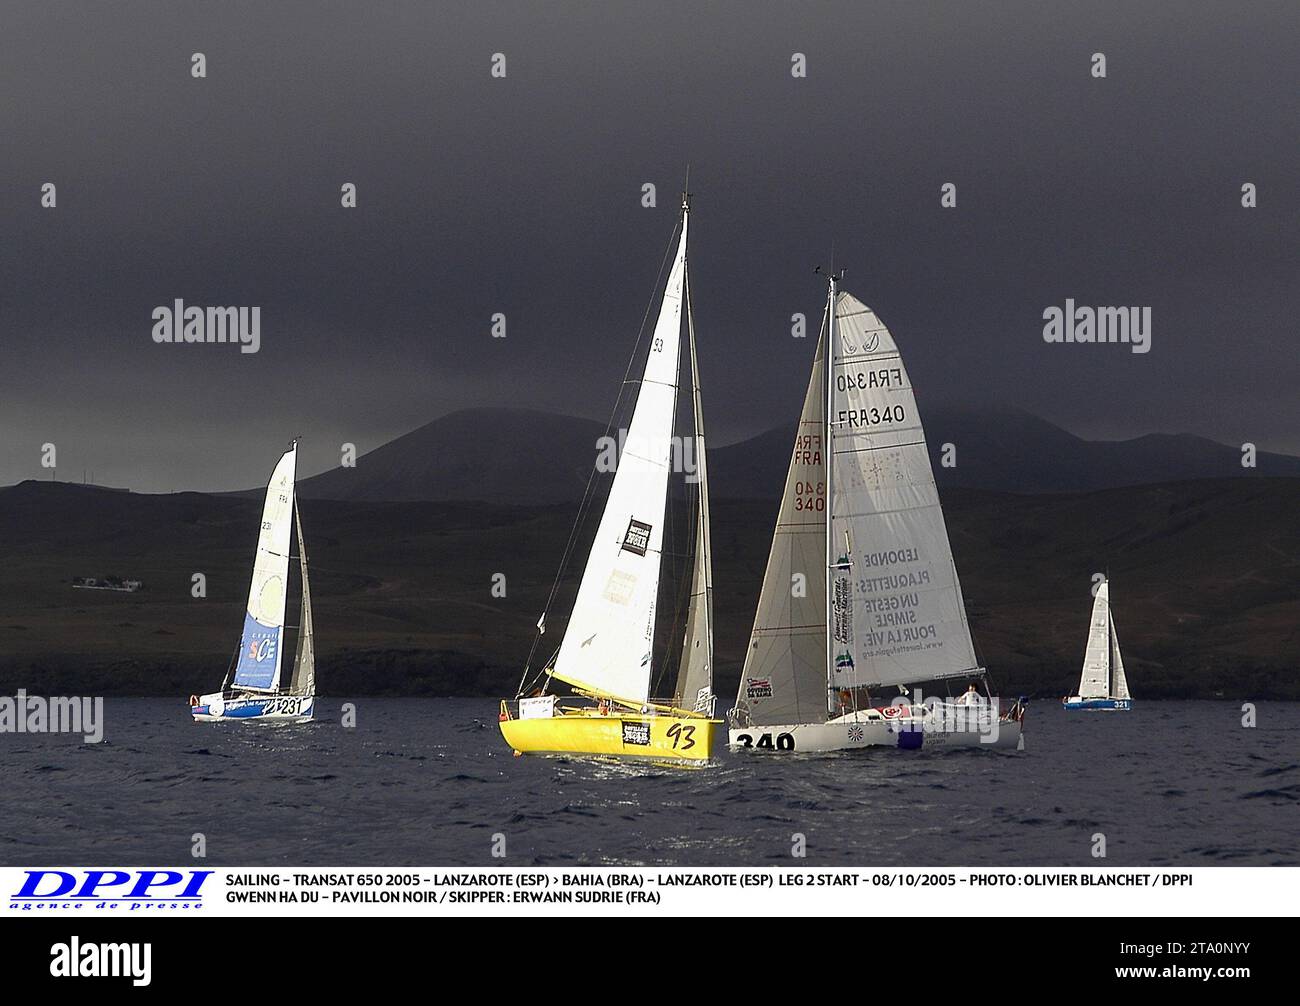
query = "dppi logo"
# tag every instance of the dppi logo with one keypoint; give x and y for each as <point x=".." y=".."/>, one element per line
<point x="139" y="889"/>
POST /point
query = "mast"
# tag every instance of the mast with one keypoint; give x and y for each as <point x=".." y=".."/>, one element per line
<point x="695" y="675"/>
<point x="303" y="681"/>
<point x="829" y="449"/>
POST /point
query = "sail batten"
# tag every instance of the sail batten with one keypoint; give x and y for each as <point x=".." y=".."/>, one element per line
<point x="262" y="642"/>
<point x="608" y="645"/>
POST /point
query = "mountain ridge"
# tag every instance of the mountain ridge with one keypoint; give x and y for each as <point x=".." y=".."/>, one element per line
<point x="527" y="456"/>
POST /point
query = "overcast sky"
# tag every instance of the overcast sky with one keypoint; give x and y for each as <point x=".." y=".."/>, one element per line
<point x="522" y="195"/>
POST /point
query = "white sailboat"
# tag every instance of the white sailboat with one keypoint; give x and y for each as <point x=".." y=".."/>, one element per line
<point x="861" y="596"/>
<point x="607" y="653"/>
<point x="1103" y="684"/>
<point x="252" y="689"/>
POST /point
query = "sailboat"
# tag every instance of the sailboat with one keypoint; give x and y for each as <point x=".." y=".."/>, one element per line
<point x="1103" y="684"/>
<point x="607" y="654"/>
<point x="252" y="688"/>
<point x="861" y="594"/>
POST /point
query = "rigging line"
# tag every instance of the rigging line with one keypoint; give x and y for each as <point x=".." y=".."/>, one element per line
<point x="591" y="478"/>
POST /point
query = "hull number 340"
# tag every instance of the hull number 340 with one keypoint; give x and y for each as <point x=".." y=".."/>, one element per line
<point x="783" y="742"/>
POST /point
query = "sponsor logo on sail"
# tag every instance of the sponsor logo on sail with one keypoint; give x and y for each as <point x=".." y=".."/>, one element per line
<point x="262" y="646"/>
<point x="842" y="611"/>
<point x="758" y="688"/>
<point x="637" y="537"/>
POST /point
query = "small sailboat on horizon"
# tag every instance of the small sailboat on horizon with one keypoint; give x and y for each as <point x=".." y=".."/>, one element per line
<point x="1103" y="684"/>
<point x="861" y="594"/>
<point x="251" y="690"/>
<point x="607" y="653"/>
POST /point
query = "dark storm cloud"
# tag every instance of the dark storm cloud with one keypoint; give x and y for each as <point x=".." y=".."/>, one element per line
<point x="521" y="196"/>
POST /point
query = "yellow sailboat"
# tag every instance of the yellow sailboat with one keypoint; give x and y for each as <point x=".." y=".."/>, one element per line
<point x="607" y="653"/>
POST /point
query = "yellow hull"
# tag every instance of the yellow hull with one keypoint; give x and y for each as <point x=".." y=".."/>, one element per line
<point x="659" y="736"/>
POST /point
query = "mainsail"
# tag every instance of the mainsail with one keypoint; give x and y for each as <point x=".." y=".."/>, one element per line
<point x="784" y="679"/>
<point x="898" y="615"/>
<point x="694" y="689"/>
<point x="261" y="645"/>
<point x="303" y="681"/>
<point x="609" y="642"/>
<point x="1118" y="682"/>
<point x="1095" y="681"/>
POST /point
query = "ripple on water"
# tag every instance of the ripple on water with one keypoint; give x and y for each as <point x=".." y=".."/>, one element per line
<point x="1159" y="797"/>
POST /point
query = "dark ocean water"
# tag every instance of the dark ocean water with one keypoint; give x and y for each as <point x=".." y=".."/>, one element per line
<point x="430" y="782"/>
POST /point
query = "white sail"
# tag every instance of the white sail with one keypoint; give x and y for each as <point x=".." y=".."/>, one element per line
<point x="784" y="678"/>
<point x="1095" y="680"/>
<point x="898" y="615"/>
<point x="609" y="641"/>
<point x="694" y="688"/>
<point x="260" y="650"/>
<point x="303" y="681"/>
<point x="1119" y="683"/>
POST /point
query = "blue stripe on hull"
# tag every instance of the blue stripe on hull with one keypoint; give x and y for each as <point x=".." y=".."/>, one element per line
<point x="1118" y="705"/>
<point x="271" y="707"/>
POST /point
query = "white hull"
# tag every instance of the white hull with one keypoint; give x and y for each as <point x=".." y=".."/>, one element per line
<point x="870" y="729"/>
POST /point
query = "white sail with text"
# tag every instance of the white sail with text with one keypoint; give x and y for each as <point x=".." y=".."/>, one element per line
<point x="262" y="642"/>
<point x="897" y="613"/>
<point x="784" y="677"/>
